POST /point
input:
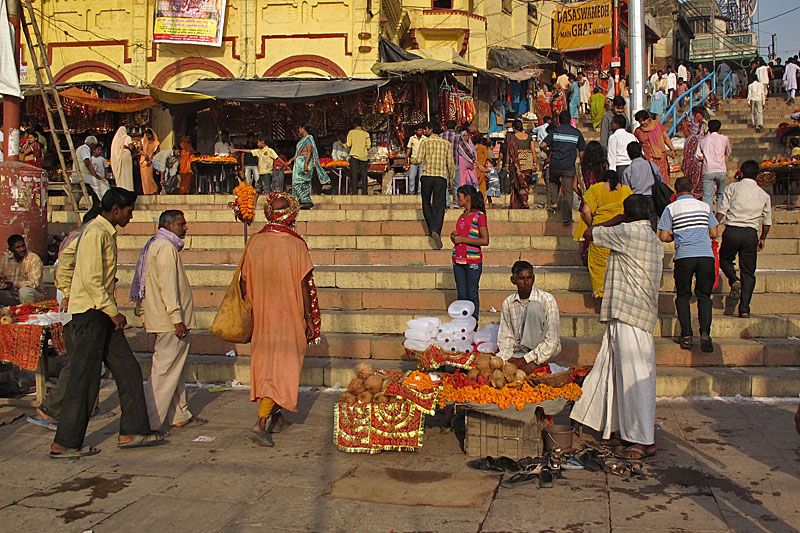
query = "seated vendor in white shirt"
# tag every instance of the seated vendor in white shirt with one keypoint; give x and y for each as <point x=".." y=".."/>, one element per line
<point x="529" y="333"/>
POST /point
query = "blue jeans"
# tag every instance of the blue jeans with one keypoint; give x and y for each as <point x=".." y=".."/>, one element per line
<point x="414" y="176"/>
<point x="468" y="278"/>
<point x="711" y="181"/>
<point x="453" y="189"/>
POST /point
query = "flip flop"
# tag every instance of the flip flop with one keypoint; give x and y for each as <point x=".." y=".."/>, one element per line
<point x="546" y="479"/>
<point x="523" y="478"/>
<point x="485" y="464"/>
<point x="192" y="422"/>
<point x="142" y="441"/>
<point x="50" y="424"/>
<point x="590" y="460"/>
<point x="507" y="464"/>
<point x="634" y="453"/>
<point x="73" y="453"/>
<point x="262" y="439"/>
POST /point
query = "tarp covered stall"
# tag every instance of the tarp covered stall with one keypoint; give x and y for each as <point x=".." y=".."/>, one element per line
<point x="281" y="90"/>
<point x="389" y="52"/>
<point x="516" y="59"/>
<point x="423" y="66"/>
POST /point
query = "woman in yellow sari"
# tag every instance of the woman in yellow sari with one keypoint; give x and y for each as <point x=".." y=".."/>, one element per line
<point x="601" y="203"/>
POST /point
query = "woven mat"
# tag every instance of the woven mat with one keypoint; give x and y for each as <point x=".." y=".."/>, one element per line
<point x="415" y="487"/>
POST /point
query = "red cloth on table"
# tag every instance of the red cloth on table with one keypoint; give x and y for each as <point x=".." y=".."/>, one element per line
<point x="21" y="344"/>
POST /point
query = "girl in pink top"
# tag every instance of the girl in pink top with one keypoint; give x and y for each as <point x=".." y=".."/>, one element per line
<point x="471" y="233"/>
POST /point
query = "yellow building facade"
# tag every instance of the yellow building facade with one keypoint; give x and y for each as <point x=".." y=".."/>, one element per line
<point x="112" y="40"/>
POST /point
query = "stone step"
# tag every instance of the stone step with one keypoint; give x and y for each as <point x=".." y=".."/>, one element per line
<point x="394" y="322"/>
<point x="670" y="381"/>
<point x="407" y="242"/>
<point x="441" y="277"/>
<point x="569" y="302"/>
<point x="574" y="350"/>
<point x="442" y="257"/>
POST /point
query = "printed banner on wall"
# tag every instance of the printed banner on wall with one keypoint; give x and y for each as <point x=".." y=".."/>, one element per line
<point x="582" y="25"/>
<point x="189" y="21"/>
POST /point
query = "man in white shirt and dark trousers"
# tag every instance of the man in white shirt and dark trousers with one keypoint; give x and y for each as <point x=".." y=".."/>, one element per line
<point x="744" y="206"/>
<point x="529" y="333"/>
<point x="691" y="224"/>
<point x="618" y="142"/>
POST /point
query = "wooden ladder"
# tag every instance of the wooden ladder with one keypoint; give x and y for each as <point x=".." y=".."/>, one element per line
<point x="46" y="86"/>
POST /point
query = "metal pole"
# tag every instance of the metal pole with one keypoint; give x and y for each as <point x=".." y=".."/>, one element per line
<point x="713" y="37"/>
<point x="637" y="54"/>
<point x="11" y="104"/>
<point x="773" y="55"/>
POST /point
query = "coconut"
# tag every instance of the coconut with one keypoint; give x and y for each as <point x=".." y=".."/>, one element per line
<point x="498" y="379"/>
<point x="510" y="371"/>
<point x="7" y="320"/>
<point x="365" y="397"/>
<point x="348" y="397"/>
<point x="473" y="374"/>
<point x="483" y="360"/>
<point x="373" y="384"/>
<point x="380" y="398"/>
<point x="356" y="386"/>
<point x="521" y="376"/>
<point x="486" y="373"/>
<point x="496" y="363"/>
<point x="364" y="370"/>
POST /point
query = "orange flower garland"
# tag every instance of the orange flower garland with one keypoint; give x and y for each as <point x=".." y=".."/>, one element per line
<point x="516" y="395"/>
<point x="244" y="205"/>
<point x="214" y="158"/>
<point x="418" y="380"/>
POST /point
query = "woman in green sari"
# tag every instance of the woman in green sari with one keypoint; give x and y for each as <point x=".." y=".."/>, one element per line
<point x="306" y="161"/>
<point x="597" y="106"/>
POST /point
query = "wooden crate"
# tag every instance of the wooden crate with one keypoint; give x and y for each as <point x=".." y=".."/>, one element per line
<point x="491" y="435"/>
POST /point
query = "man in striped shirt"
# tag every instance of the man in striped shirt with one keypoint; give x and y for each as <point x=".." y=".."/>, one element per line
<point x="565" y="143"/>
<point x="437" y="156"/>
<point x="691" y="224"/>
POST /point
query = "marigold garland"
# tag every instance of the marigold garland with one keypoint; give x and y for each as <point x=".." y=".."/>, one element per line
<point x="245" y="202"/>
<point x="214" y="159"/>
<point x="459" y="391"/>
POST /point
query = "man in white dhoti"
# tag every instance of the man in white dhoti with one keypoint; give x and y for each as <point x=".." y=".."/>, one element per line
<point x="619" y="394"/>
<point x="790" y="79"/>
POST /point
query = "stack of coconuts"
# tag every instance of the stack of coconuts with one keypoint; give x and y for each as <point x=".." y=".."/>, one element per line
<point x="366" y="387"/>
<point x="496" y="371"/>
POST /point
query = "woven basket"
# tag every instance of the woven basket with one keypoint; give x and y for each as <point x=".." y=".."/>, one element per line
<point x="552" y="380"/>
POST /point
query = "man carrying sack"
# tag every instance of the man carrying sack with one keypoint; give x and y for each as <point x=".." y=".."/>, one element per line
<point x="164" y="302"/>
<point x="277" y="281"/>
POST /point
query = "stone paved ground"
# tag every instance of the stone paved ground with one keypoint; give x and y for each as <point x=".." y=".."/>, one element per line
<point x="723" y="466"/>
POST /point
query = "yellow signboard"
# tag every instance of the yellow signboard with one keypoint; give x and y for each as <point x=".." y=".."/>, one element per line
<point x="582" y="25"/>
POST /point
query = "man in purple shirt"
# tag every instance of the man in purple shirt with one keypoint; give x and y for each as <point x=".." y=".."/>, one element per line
<point x="713" y="150"/>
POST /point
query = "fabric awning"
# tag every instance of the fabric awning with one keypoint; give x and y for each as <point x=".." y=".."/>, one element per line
<point x="421" y="66"/>
<point x="516" y="59"/>
<point x="123" y="88"/>
<point x="176" y="97"/>
<point x="390" y="52"/>
<point x="281" y="89"/>
<point x="117" y="105"/>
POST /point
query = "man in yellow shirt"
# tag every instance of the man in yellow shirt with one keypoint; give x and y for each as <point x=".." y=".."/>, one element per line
<point x="20" y="274"/>
<point x="359" y="143"/>
<point x="98" y="336"/>
<point x="164" y="301"/>
<point x="266" y="157"/>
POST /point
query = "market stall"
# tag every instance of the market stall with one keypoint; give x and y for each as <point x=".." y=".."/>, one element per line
<point x="277" y="107"/>
<point x="780" y="177"/>
<point x="385" y="410"/>
<point x="28" y="334"/>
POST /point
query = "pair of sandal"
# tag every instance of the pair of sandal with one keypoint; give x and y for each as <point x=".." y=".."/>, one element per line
<point x="138" y="441"/>
<point x="534" y="469"/>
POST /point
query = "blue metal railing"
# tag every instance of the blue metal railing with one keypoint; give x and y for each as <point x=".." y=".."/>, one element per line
<point x="695" y="99"/>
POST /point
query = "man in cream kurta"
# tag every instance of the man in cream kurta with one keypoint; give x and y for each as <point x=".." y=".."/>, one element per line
<point x="167" y="310"/>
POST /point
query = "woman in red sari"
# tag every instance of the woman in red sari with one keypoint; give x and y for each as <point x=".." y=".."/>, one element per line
<point x="559" y="101"/>
<point x="690" y="166"/>
<point x="655" y="142"/>
<point x="543" y="108"/>
<point x="521" y="165"/>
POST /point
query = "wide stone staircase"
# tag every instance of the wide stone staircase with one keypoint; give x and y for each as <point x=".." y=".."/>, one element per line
<point x="376" y="270"/>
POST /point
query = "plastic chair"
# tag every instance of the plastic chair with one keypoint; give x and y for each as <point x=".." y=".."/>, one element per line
<point x="399" y="178"/>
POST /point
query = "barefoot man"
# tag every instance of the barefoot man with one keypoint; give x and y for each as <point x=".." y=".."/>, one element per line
<point x="277" y="279"/>
<point x="619" y="394"/>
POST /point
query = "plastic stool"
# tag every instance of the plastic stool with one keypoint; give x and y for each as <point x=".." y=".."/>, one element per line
<point x="399" y="178"/>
